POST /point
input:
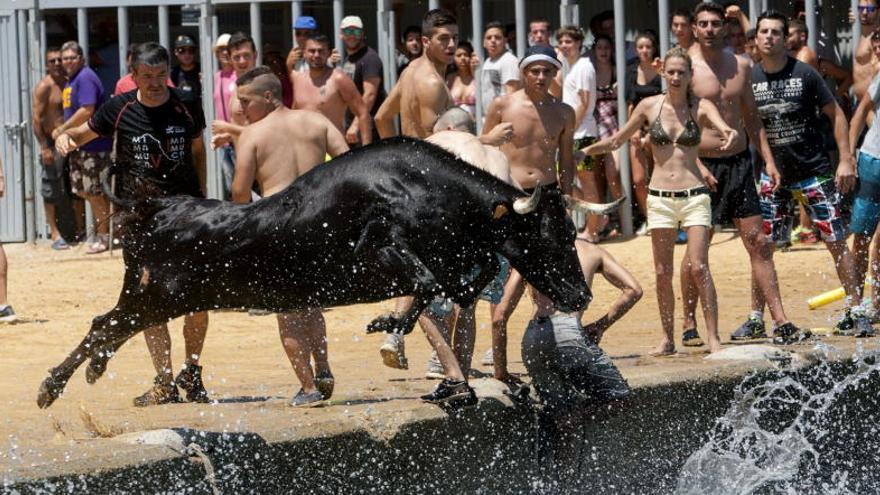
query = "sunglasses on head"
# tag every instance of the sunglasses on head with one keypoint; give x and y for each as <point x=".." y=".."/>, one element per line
<point x="352" y="31"/>
<point x="868" y="9"/>
<point x="184" y="50"/>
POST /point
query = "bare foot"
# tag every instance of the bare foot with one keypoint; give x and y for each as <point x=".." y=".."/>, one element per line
<point x="714" y="346"/>
<point x="664" y="349"/>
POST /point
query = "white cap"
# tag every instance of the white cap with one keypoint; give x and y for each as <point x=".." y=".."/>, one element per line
<point x="222" y="40"/>
<point x="351" y="21"/>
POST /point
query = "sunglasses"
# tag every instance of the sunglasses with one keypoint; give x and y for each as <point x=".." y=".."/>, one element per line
<point x="868" y="9"/>
<point x="352" y="31"/>
<point x="184" y="50"/>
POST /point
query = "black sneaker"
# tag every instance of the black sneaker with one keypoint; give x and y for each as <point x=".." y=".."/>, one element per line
<point x="690" y="338"/>
<point x="324" y="382"/>
<point x="451" y="392"/>
<point x="753" y="328"/>
<point x="7" y="315"/>
<point x="854" y="324"/>
<point x="788" y="333"/>
<point x="302" y="399"/>
<point x="160" y="393"/>
<point x="190" y="380"/>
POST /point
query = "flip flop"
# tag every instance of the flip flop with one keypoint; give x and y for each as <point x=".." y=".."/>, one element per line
<point x="690" y="338"/>
<point x="97" y="247"/>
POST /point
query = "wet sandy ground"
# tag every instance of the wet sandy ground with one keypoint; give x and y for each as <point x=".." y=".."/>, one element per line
<point x="57" y="293"/>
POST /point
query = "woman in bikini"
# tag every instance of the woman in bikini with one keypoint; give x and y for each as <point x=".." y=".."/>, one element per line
<point x="461" y="82"/>
<point x="677" y="194"/>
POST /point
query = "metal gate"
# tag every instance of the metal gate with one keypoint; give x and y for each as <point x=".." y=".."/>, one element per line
<point x="13" y="72"/>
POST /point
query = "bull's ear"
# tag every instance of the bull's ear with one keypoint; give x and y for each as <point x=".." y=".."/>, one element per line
<point x="500" y="210"/>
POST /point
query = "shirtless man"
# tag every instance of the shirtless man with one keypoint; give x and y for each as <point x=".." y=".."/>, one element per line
<point x="796" y="43"/>
<point x="542" y="127"/>
<point x="866" y="63"/>
<point x="328" y="91"/>
<point x="725" y="79"/>
<point x="276" y="147"/>
<point x="562" y="355"/>
<point x="47" y="115"/>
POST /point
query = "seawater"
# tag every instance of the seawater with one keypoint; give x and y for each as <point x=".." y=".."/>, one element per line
<point x="813" y="430"/>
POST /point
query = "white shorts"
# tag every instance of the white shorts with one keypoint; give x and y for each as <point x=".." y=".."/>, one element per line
<point x="674" y="213"/>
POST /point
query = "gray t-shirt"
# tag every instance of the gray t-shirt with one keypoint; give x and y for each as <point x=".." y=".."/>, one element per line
<point x="871" y="145"/>
<point x="494" y="74"/>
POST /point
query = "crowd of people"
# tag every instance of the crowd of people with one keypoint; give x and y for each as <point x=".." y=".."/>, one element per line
<point x="737" y="124"/>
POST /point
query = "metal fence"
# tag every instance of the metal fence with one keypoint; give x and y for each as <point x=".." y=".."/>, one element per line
<point x="27" y="27"/>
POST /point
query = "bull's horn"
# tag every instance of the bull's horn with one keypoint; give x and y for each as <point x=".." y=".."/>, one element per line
<point x="592" y="208"/>
<point x="528" y="205"/>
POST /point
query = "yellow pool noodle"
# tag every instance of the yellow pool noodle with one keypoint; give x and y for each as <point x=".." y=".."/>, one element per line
<point x="829" y="297"/>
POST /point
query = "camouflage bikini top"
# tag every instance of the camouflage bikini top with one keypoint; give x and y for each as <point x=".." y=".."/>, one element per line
<point x="689" y="137"/>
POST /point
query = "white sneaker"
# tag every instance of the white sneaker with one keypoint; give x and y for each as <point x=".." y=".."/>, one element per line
<point x="488" y="359"/>
<point x="392" y="352"/>
<point x="435" y="369"/>
<point x="7" y="315"/>
<point x="643" y="230"/>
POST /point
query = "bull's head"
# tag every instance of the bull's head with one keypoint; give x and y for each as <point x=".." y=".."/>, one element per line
<point x="540" y="244"/>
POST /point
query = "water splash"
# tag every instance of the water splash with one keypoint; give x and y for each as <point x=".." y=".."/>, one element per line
<point x="793" y="431"/>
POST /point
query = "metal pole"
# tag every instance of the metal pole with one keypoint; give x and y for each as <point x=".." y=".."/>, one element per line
<point x="812" y="25"/>
<point x="476" y="33"/>
<point x="663" y="14"/>
<point x="754" y="10"/>
<point x="338" y="10"/>
<point x="207" y="24"/>
<point x="564" y="6"/>
<point x="296" y="11"/>
<point x="383" y="41"/>
<point x="522" y="37"/>
<point x="122" y="22"/>
<point x="256" y="32"/>
<point x="82" y="30"/>
<point x="856" y="29"/>
<point x="625" y="176"/>
<point x="27" y="38"/>
<point x="392" y="55"/>
<point x="164" y="31"/>
<point x="433" y="4"/>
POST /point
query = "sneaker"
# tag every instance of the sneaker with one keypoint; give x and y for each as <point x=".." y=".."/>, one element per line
<point x="451" y="392"/>
<point x="435" y="369"/>
<point x="324" y="382"/>
<point x="302" y="399"/>
<point x="60" y="244"/>
<point x="863" y="327"/>
<point x="753" y="328"/>
<point x="392" y="352"/>
<point x="845" y="324"/>
<point x="190" y="380"/>
<point x="690" y="338"/>
<point x="643" y="230"/>
<point x="488" y="358"/>
<point x="788" y="333"/>
<point x="682" y="237"/>
<point x="7" y="315"/>
<point x="783" y="245"/>
<point x="160" y="393"/>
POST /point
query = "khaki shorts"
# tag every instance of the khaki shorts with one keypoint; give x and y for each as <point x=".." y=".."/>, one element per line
<point x="85" y="172"/>
<point x="672" y="213"/>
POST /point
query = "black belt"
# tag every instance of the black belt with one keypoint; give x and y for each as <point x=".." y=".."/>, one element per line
<point x="694" y="191"/>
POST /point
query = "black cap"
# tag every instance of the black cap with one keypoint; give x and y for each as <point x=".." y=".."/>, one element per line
<point x="183" y="40"/>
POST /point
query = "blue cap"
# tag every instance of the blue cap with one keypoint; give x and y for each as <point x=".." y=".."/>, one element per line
<point x="305" y="22"/>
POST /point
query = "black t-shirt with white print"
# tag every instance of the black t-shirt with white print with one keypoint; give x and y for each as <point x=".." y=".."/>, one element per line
<point x="153" y="144"/>
<point x="790" y="102"/>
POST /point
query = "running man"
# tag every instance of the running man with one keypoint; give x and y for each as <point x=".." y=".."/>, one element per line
<point x="276" y="147"/>
<point x="327" y="91"/>
<point x="543" y="127"/>
<point x="725" y="79"/>
<point x="158" y="142"/>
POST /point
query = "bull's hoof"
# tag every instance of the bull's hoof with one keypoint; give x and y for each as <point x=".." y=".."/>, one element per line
<point x="97" y="366"/>
<point x="50" y="390"/>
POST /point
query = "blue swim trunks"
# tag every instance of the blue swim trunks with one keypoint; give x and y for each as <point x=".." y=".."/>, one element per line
<point x="866" y="207"/>
<point x="442" y="307"/>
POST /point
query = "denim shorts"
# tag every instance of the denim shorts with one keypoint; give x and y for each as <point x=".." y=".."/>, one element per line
<point x="866" y="207"/>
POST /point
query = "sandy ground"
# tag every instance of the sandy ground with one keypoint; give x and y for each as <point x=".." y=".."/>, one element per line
<point x="57" y="293"/>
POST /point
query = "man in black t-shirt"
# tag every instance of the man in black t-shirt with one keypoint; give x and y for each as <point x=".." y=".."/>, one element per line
<point x="364" y="67"/>
<point x="158" y="147"/>
<point x="187" y="76"/>
<point x="790" y="95"/>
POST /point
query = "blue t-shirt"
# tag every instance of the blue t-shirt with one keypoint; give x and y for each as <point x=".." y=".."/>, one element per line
<point x="85" y="89"/>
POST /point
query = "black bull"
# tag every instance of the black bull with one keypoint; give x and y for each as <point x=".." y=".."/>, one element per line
<point x="401" y="217"/>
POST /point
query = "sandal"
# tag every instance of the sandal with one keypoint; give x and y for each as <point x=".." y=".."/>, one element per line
<point x="100" y="245"/>
<point x="690" y="338"/>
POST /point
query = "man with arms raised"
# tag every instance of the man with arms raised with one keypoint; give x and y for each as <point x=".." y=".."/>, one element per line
<point x="725" y="79"/>
<point x="790" y="95"/>
<point x="328" y="91"/>
<point x="49" y="114"/>
<point x="543" y="126"/>
<point x="276" y="147"/>
<point x="159" y="149"/>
